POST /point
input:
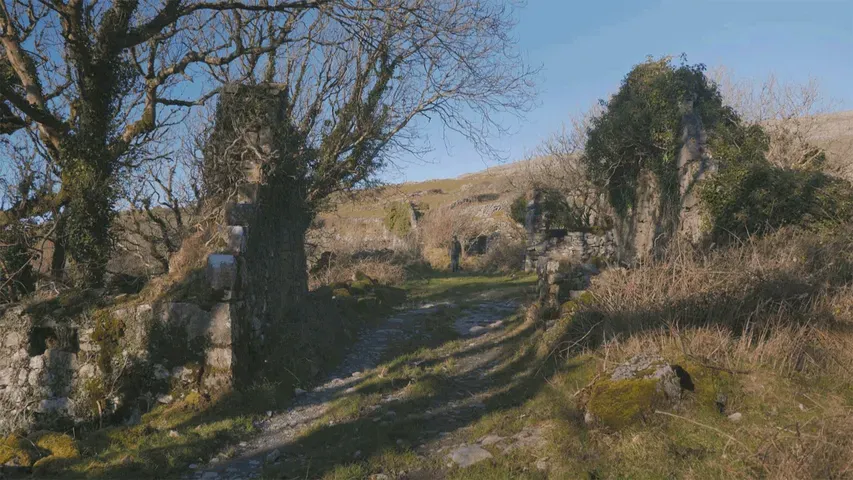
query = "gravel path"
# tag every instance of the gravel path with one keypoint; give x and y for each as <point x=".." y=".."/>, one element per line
<point x="280" y="429"/>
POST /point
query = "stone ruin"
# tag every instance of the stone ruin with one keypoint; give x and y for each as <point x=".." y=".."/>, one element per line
<point x="648" y="229"/>
<point x="52" y="362"/>
<point x="563" y="260"/>
<point x="53" y="357"/>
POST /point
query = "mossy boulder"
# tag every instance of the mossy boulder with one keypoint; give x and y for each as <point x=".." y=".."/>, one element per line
<point x="634" y="390"/>
<point x="619" y="403"/>
<point x="45" y="452"/>
<point x="360" y="287"/>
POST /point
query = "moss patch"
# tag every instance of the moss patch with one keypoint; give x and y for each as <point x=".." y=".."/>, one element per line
<point x="60" y="451"/>
<point x="17" y="451"/>
<point x="617" y="404"/>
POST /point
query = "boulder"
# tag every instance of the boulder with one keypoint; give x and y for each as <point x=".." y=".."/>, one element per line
<point x="634" y="390"/>
<point x="467" y="455"/>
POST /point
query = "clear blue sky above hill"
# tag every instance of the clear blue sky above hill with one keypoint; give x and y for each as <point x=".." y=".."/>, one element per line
<point x="586" y="47"/>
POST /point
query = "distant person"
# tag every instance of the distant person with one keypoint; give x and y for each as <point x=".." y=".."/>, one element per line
<point x="455" y="252"/>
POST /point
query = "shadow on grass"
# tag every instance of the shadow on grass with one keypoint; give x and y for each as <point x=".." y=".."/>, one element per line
<point x="419" y="417"/>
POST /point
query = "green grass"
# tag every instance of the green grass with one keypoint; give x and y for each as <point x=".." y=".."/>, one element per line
<point x="466" y="287"/>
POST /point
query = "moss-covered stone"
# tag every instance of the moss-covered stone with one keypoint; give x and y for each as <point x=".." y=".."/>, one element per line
<point x="17" y="451"/>
<point x="341" y="293"/>
<point x="108" y="332"/>
<point x="619" y="403"/>
<point x="360" y="287"/>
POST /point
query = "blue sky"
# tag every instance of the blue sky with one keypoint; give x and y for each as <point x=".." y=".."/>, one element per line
<point x="586" y="47"/>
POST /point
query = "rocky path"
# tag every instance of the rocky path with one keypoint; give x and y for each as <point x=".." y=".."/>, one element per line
<point x="480" y="320"/>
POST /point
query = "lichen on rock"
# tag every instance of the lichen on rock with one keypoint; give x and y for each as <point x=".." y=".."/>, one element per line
<point x="634" y="390"/>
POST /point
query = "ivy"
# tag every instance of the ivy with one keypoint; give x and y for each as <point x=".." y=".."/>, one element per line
<point x="641" y="127"/>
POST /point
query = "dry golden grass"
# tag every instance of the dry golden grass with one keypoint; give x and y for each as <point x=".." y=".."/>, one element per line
<point x="767" y="322"/>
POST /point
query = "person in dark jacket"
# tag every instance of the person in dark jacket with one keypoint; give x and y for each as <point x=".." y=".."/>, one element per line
<point x="455" y="252"/>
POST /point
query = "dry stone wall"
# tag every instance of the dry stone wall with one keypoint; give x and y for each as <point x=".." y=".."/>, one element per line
<point x="52" y="365"/>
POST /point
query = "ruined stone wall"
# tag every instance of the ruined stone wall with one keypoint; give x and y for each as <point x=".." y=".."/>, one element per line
<point x="52" y="363"/>
<point x="658" y="218"/>
<point x="564" y="264"/>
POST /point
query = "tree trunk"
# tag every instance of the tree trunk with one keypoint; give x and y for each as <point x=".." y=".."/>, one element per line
<point x="57" y="260"/>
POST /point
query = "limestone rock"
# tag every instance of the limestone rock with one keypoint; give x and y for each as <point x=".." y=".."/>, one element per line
<point x="13" y="339"/>
<point x="219" y="330"/>
<point x="160" y="372"/>
<point x="53" y="405"/>
<point x="467" y="455"/>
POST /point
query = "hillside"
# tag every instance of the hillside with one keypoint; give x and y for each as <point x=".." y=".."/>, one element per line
<point x="357" y="222"/>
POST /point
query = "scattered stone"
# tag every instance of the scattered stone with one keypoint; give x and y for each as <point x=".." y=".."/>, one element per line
<point x="273" y="456"/>
<point x="243" y="444"/>
<point x="160" y="372"/>
<point x="254" y="463"/>
<point x="165" y="399"/>
<point x="269" y="413"/>
<point x="193" y="466"/>
<point x="357" y="454"/>
<point x="468" y="455"/>
<point x="299" y="392"/>
<point x="490" y="440"/>
<point x="736" y="417"/>
<point x="174" y="434"/>
<point x="720" y="402"/>
<point x="542" y="464"/>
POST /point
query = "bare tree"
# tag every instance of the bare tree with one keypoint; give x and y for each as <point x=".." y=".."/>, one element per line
<point x="343" y="99"/>
<point x="789" y="112"/>
<point x="98" y="81"/>
<point x="555" y="165"/>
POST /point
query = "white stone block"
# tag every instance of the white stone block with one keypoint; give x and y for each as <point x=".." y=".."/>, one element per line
<point x="236" y="237"/>
<point x="221" y="271"/>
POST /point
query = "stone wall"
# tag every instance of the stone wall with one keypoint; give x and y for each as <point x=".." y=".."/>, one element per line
<point x="658" y="218"/>
<point x="52" y="364"/>
<point x="41" y="365"/>
<point x="565" y="261"/>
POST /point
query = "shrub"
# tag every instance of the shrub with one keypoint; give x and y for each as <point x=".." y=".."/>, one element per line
<point x="518" y="209"/>
<point x="398" y="218"/>
<point x="504" y="256"/>
<point x="748" y="198"/>
<point x="640" y="129"/>
<point x="555" y="209"/>
<point x="16" y="273"/>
